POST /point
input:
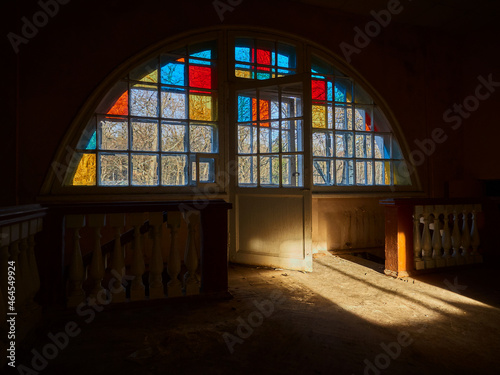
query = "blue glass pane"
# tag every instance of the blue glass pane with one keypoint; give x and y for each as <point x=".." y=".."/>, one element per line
<point x="203" y="54"/>
<point x="340" y="93"/>
<point x="242" y="54"/>
<point x="283" y="61"/>
<point x="173" y="74"/>
<point x="199" y="62"/>
<point x="92" y="143"/>
<point x="244" y="109"/>
<point x="329" y="90"/>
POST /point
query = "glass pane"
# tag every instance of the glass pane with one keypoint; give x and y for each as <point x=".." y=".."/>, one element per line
<point x="401" y="173"/>
<point x="202" y="76"/>
<point x="144" y="170"/>
<point x="85" y="174"/>
<point x="206" y="50"/>
<point x="291" y="170"/>
<point x="291" y="136"/>
<point x="144" y="135"/>
<point x="113" y="169"/>
<point x="173" y="137"/>
<point x="147" y="72"/>
<point x="318" y="89"/>
<point x="363" y="119"/>
<point x="323" y="172"/>
<point x="382" y="173"/>
<point x="243" y="71"/>
<point x="382" y="146"/>
<point x="287" y="57"/>
<point x="247" y="139"/>
<point x="319" y="116"/>
<point x="201" y="107"/>
<point x="322" y="144"/>
<point x="173" y="71"/>
<point x="245" y="108"/>
<point x="269" y="104"/>
<point x="344" y="144"/>
<point x="364" y="172"/>
<point x="396" y="150"/>
<point x="345" y="172"/>
<point x="291" y="98"/>
<point x="269" y="170"/>
<point x="144" y="101"/>
<point x="174" y="170"/>
<point x="201" y="138"/>
<point x="207" y="170"/>
<point x="343" y="117"/>
<point x="113" y="134"/>
<point x="363" y="145"/>
<point x="343" y="90"/>
<point x="88" y="139"/>
<point x="116" y="101"/>
<point x="361" y="96"/>
<point x="173" y="104"/>
<point x="247" y="170"/>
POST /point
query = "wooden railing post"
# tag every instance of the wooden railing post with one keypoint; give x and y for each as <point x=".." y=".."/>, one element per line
<point x="475" y="240"/>
<point x="466" y="240"/>
<point x="427" y="239"/>
<point x="446" y="238"/>
<point x="437" y="244"/>
<point x="417" y="238"/>
<point x="456" y="238"/>
<point x="191" y="281"/>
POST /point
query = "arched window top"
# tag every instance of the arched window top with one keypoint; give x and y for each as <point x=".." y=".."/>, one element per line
<point x="162" y="124"/>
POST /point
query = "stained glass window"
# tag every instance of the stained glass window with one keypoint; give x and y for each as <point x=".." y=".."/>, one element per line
<point x="351" y="140"/>
<point x="150" y="124"/>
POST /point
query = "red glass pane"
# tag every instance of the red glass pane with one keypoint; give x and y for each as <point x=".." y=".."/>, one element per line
<point x="121" y="105"/>
<point x="200" y="76"/>
<point x="368" y="125"/>
<point x="263" y="57"/>
<point x="318" y="89"/>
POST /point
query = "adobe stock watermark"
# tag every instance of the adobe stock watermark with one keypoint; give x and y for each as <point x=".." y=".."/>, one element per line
<point x="372" y="29"/>
<point x="30" y="28"/>
<point x="455" y="115"/>
<point x="254" y="320"/>
<point x="222" y="7"/>
<point x="60" y="340"/>
<point x="390" y="352"/>
<point x="455" y="287"/>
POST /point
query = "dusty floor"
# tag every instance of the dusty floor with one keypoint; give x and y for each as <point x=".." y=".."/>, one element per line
<point x="336" y="320"/>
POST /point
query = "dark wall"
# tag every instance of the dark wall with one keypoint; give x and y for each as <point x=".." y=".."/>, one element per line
<point x="420" y="74"/>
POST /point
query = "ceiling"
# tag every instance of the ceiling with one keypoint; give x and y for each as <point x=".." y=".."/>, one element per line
<point x="453" y="16"/>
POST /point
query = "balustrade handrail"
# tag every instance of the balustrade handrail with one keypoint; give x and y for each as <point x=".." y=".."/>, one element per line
<point x="17" y="214"/>
<point x="430" y="201"/>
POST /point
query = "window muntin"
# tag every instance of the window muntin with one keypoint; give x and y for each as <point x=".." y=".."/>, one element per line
<point x="270" y="137"/>
<point x="263" y="59"/>
<point x="351" y="141"/>
<point x="149" y="128"/>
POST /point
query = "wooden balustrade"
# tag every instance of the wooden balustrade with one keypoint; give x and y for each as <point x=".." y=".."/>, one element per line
<point x="152" y="234"/>
<point x="426" y="234"/>
<point x="19" y="227"/>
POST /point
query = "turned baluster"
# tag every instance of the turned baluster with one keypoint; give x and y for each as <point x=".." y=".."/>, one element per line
<point x="76" y="294"/>
<point x="191" y="281"/>
<point x="118" y="292"/>
<point x="436" y="238"/>
<point x="4" y="258"/>
<point x="456" y="238"/>
<point x="446" y="239"/>
<point x="35" y="227"/>
<point x="466" y="240"/>
<point x="427" y="240"/>
<point x="23" y="271"/>
<point x="475" y="240"/>
<point x="174" y="261"/>
<point x="15" y="238"/>
<point x="417" y="239"/>
<point x="156" y="261"/>
<point x="138" y="267"/>
<point x="98" y="293"/>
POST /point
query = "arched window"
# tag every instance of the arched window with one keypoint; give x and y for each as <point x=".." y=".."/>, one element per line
<point x="295" y="120"/>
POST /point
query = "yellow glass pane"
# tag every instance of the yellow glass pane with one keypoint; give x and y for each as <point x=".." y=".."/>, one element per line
<point x="243" y="73"/>
<point x="319" y="116"/>
<point x="387" y="169"/>
<point x="85" y="174"/>
<point x="201" y="107"/>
